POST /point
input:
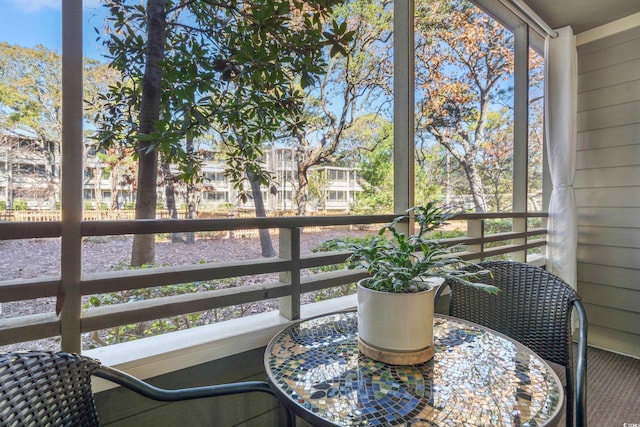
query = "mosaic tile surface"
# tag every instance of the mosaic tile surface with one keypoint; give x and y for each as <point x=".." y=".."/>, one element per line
<point x="476" y="378"/>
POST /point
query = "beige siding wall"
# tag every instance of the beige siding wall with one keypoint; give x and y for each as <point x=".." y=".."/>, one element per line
<point x="608" y="189"/>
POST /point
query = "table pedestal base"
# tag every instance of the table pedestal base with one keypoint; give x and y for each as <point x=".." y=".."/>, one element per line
<point x="394" y="357"/>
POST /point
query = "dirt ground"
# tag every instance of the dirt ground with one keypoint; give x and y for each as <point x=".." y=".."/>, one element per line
<point x="25" y="259"/>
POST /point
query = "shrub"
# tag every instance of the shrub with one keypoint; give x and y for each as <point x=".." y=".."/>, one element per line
<point x="336" y="245"/>
<point x="132" y="332"/>
<point x="20" y="205"/>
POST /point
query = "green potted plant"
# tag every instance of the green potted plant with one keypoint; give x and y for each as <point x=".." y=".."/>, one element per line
<point x="395" y="303"/>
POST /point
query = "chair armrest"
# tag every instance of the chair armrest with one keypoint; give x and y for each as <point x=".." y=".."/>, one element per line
<point x="581" y="366"/>
<point x="439" y="291"/>
<point x="145" y="389"/>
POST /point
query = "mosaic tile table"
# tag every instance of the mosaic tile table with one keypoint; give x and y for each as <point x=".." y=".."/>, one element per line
<point x="476" y="378"/>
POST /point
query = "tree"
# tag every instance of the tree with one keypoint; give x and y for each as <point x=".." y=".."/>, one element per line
<point x="187" y="66"/>
<point x="436" y="176"/>
<point x="496" y="165"/>
<point x="169" y="180"/>
<point x="191" y="197"/>
<point x="319" y="187"/>
<point x="266" y="245"/>
<point x="376" y="175"/>
<point x="122" y="171"/>
<point x="31" y="103"/>
<point x="536" y="130"/>
<point x="30" y="96"/>
<point x="353" y="85"/>
<point x="464" y="61"/>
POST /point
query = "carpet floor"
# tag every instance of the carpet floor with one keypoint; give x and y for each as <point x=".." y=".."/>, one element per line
<point x="613" y="389"/>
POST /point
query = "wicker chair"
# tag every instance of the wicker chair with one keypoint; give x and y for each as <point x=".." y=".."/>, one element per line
<point x="534" y="307"/>
<point x="54" y="389"/>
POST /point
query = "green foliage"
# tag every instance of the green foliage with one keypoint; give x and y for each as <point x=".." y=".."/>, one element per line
<point x="465" y="68"/>
<point x="495" y="226"/>
<point x="337" y="292"/>
<point x="425" y="190"/>
<point x="337" y="245"/>
<point x="236" y="69"/>
<point x="376" y="177"/>
<point x="446" y="234"/>
<point x="534" y="222"/>
<point x="344" y="110"/>
<point x="498" y="226"/>
<point x="135" y="331"/>
<point x="3" y="205"/>
<point x="319" y="186"/>
<point x="496" y="166"/>
<point x="376" y="173"/>
<point x="400" y="262"/>
<point x="20" y="205"/>
<point x="31" y="99"/>
<point x="30" y="84"/>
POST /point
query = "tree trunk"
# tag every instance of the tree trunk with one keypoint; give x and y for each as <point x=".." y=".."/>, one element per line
<point x="48" y="151"/>
<point x="191" y="199"/>
<point x="467" y="161"/>
<point x="115" y="194"/>
<point x="303" y="191"/>
<point x="9" y="168"/>
<point x="170" y="195"/>
<point x="265" y="238"/>
<point x="143" y="250"/>
<point x="475" y="186"/>
<point x="192" y="210"/>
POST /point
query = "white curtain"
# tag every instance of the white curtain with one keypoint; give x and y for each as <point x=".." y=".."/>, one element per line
<point x="560" y="115"/>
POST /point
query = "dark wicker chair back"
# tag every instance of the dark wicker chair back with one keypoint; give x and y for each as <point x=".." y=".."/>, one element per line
<point x="54" y="389"/>
<point x="41" y="388"/>
<point x="534" y="307"/>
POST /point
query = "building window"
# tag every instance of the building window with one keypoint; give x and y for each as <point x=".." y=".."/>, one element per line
<point x="214" y="176"/>
<point x="27" y="169"/>
<point x="337" y="175"/>
<point x="337" y="196"/>
<point x="217" y="196"/>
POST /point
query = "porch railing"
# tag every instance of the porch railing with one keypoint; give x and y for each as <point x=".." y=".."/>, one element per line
<point x="289" y="263"/>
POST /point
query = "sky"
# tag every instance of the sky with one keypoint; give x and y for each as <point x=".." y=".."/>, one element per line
<point x="31" y="22"/>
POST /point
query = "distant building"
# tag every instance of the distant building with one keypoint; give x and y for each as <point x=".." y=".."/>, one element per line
<point x="30" y="177"/>
<point x="29" y="173"/>
<point x="339" y="186"/>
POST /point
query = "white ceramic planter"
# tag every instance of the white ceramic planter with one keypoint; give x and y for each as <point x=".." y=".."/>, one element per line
<point x="396" y="323"/>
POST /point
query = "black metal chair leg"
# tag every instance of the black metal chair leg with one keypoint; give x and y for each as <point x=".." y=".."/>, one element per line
<point x="291" y="418"/>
